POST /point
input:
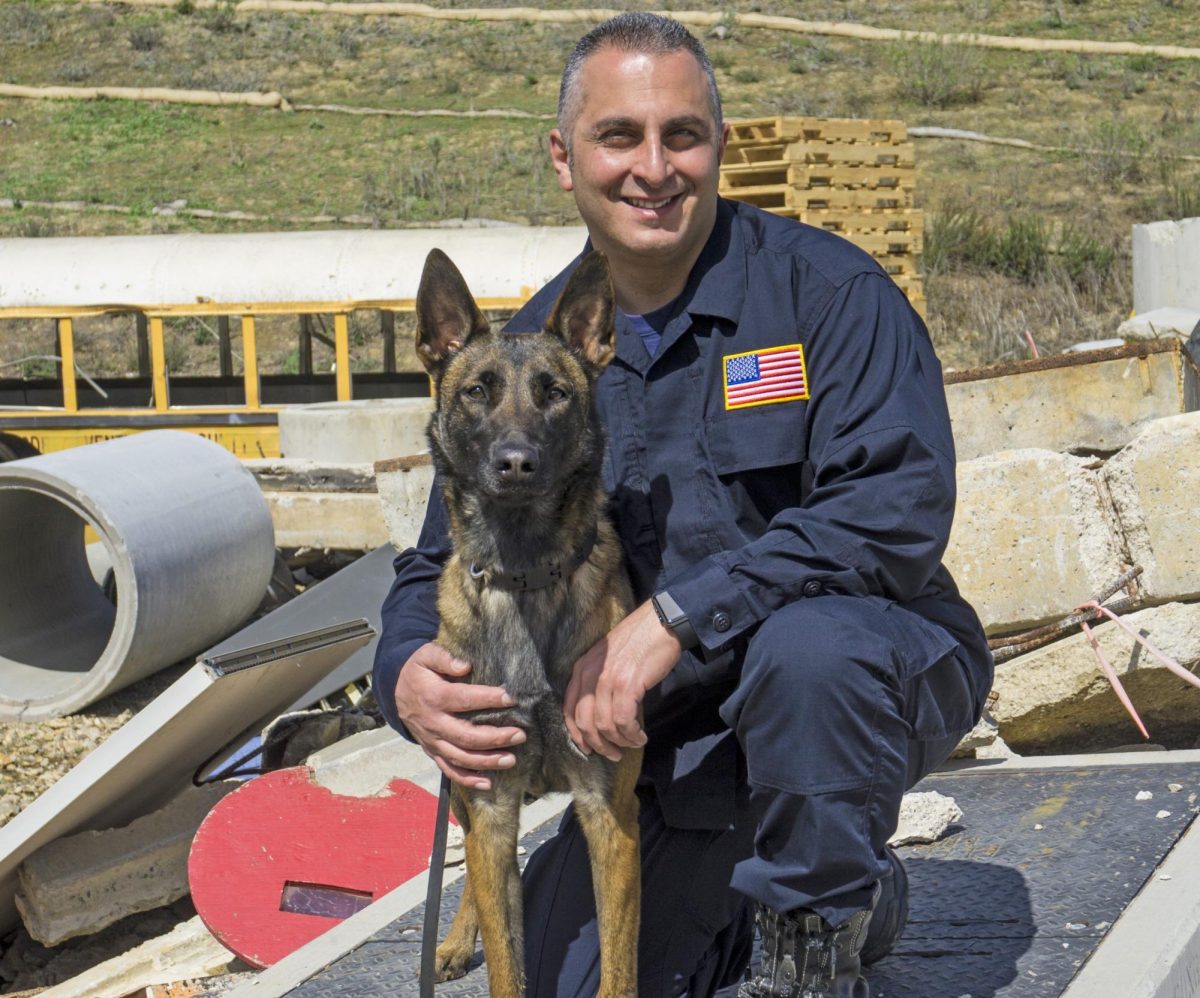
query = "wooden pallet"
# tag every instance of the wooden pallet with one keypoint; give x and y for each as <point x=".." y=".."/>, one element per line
<point x="844" y="222"/>
<point x="805" y="176"/>
<point x="785" y="129"/>
<point x="827" y="153"/>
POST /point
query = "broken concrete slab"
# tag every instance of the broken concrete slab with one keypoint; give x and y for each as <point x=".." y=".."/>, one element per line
<point x="1166" y="264"/>
<point x="349" y="520"/>
<point x="189" y="950"/>
<point x="364" y="764"/>
<point x="362" y="431"/>
<point x="404" y="485"/>
<point x="145" y="762"/>
<point x="1154" y="483"/>
<point x="81" y="883"/>
<point x="1057" y="696"/>
<point x="1084" y="403"/>
<point x="1032" y="538"/>
<point x="1169" y="321"/>
<point x="278" y="474"/>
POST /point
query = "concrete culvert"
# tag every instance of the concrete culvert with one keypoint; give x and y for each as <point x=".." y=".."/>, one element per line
<point x="191" y="545"/>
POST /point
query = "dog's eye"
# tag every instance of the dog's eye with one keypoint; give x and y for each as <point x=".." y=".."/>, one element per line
<point x="555" y="394"/>
<point x="476" y="393"/>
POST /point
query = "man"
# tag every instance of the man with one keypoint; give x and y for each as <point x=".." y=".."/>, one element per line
<point x="782" y="479"/>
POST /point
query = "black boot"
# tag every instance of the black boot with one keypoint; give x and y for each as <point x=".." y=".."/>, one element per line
<point x="804" y="957"/>
<point x="891" y="912"/>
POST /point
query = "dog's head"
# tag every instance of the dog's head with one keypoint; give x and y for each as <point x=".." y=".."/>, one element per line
<point x="515" y="415"/>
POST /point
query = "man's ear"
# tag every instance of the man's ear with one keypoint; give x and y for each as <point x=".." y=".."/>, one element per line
<point x="585" y="312"/>
<point x="561" y="160"/>
<point x="447" y="315"/>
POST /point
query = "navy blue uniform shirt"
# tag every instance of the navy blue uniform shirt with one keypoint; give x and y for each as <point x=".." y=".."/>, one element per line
<point x="789" y="438"/>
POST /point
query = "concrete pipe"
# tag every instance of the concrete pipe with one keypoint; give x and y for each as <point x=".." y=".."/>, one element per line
<point x="190" y="541"/>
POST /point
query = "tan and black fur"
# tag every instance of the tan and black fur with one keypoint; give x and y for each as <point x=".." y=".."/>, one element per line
<point x="517" y="444"/>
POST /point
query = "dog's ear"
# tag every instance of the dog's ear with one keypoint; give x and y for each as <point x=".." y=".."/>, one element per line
<point x="584" y="314"/>
<point x="447" y="315"/>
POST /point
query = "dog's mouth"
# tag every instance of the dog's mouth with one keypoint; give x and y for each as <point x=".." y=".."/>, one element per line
<point x="509" y="493"/>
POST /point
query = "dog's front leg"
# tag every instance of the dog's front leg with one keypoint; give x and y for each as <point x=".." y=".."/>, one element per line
<point x="496" y="888"/>
<point x="455" y="953"/>
<point x="610" y="824"/>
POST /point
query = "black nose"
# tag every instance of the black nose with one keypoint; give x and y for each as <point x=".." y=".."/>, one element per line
<point x="515" y="462"/>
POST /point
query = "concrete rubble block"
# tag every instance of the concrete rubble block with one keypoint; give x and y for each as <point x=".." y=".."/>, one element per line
<point x="79" y="884"/>
<point x="1092" y="403"/>
<point x="404" y="485"/>
<point x="350" y="521"/>
<point x="924" y="817"/>
<point x="189" y="950"/>
<point x="1154" y="483"/>
<point x="1033" y="537"/>
<point x="364" y="764"/>
<point x="983" y="742"/>
<point x="1057" y="698"/>
<point x="363" y="431"/>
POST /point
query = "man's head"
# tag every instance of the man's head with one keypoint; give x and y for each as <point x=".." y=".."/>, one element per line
<point x="639" y="143"/>
<point x="649" y="34"/>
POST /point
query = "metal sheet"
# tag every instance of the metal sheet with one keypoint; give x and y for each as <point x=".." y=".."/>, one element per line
<point x="150" y="758"/>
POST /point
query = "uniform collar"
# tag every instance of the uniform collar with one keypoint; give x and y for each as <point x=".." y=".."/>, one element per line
<point x="716" y="287"/>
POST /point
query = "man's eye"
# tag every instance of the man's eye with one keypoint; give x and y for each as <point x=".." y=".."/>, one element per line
<point x="556" y="394"/>
<point x="618" y="138"/>
<point x="684" y="139"/>
<point x="476" y="393"/>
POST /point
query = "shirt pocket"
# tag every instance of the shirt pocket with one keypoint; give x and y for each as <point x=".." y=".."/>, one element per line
<point x="760" y="457"/>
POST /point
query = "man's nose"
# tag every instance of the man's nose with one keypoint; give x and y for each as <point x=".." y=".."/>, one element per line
<point x="653" y="165"/>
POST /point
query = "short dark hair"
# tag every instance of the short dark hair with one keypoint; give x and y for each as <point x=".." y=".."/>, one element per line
<point x="633" y="31"/>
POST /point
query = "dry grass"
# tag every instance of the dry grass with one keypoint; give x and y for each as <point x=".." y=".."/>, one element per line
<point x="1130" y="112"/>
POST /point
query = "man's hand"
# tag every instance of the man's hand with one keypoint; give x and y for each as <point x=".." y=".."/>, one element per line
<point x="429" y="702"/>
<point x="602" y="705"/>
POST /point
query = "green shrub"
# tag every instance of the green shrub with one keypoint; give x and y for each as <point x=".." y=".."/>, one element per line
<point x="940" y="74"/>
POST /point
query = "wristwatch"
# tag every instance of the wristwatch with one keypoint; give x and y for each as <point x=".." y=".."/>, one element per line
<point x="672" y="617"/>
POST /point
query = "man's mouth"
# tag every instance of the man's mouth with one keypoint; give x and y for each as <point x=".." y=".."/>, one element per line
<point x="652" y="204"/>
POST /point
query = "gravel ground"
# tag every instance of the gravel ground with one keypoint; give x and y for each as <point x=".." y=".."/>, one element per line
<point x="33" y="756"/>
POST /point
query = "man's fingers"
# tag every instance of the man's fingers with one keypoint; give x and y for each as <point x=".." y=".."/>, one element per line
<point x="461" y="697"/>
<point x="479" y="762"/>
<point x="478" y="737"/>
<point x="466" y="777"/>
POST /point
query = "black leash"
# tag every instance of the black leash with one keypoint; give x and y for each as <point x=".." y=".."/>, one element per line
<point x="433" y="892"/>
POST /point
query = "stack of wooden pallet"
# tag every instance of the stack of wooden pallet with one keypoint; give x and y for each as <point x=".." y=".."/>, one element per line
<point x="855" y="177"/>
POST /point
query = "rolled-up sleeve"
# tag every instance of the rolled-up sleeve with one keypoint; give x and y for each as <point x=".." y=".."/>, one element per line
<point x="877" y="517"/>
<point x="409" y="614"/>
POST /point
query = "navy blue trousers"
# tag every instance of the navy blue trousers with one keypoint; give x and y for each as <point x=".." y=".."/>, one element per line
<point x="842" y="704"/>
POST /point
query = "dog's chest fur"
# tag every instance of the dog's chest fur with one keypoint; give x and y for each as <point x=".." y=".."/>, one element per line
<point x="528" y="642"/>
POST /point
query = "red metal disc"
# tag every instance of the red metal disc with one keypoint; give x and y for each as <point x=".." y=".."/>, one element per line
<point x="281" y="859"/>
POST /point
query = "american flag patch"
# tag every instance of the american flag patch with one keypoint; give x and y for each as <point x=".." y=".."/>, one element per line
<point x="764" y="376"/>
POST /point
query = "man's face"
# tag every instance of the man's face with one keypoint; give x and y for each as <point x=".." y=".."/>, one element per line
<point x="645" y="157"/>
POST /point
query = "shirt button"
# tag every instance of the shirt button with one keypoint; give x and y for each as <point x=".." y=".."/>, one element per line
<point x="813" y="588"/>
<point x="721" y="622"/>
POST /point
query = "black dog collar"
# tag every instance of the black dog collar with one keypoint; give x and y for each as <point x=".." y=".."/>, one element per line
<point x="539" y="576"/>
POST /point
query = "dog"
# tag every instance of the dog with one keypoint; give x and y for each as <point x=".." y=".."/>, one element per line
<point x="535" y="579"/>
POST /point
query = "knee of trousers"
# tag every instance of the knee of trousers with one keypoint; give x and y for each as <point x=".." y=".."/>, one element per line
<point x="817" y="708"/>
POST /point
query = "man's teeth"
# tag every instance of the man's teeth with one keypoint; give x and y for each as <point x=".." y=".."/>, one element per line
<point x="641" y="203"/>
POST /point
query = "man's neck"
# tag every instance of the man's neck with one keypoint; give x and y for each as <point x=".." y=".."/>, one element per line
<point x="640" y="290"/>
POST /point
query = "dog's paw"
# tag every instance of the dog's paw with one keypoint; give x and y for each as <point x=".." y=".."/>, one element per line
<point x="451" y="963"/>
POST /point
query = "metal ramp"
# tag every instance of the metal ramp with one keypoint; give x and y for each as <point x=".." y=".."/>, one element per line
<point x="1025" y="891"/>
